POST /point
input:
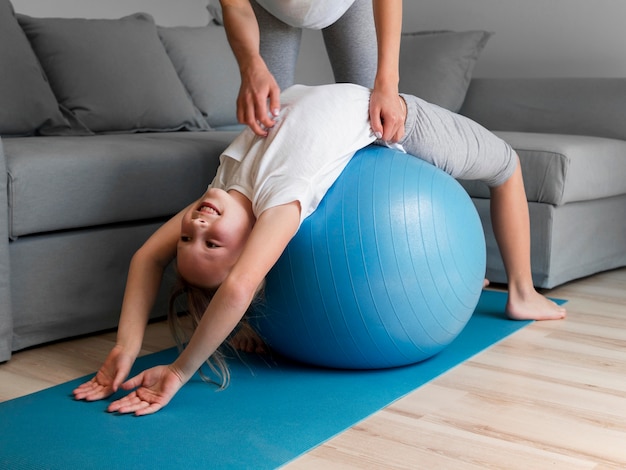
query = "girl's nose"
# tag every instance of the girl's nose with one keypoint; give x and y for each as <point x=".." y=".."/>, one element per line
<point x="200" y="224"/>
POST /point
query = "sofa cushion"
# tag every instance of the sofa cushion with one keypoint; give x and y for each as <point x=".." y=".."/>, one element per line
<point x="207" y="67"/>
<point x="215" y="11"/>
<point x="559" y="168"/>
<point x="112" y="75"/>
<point x="570" y="105"/>
<point x="58" y="183"/>
<point x="28" y="104"/>
<point x="437" y="66"/>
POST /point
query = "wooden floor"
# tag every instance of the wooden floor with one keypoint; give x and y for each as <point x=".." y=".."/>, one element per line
<point x="552" y="395"/>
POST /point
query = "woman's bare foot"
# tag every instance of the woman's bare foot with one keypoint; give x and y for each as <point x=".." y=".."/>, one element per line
<point x="247" y="340"/>
<point x="533" y="306"/>
<point x="485" y="282"/>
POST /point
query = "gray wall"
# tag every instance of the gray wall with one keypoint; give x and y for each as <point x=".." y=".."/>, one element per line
<point x="165" y="12"/>
<point x="532" y="37"/>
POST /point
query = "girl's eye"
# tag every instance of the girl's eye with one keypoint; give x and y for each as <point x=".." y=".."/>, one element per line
<point x="211" y="245"/>
<point x="184" y="238"/>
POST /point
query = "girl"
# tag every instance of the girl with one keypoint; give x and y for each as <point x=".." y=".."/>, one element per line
<point x="227" y="241"/>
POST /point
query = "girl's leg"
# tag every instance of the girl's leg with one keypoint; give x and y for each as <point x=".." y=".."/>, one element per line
<point x="351" y="45"/>
<point x="246" y="339"/>
<point x="279" y="47"/>
<point x="511" y="226"/>
<point x="466" y="150"/>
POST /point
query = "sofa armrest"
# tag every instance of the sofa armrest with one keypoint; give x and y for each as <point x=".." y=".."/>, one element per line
<point x="6" y="312"/>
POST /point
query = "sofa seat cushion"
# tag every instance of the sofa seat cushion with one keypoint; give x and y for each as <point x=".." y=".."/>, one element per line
<point x="59" y="183"/>
<point x="559" y="169"/>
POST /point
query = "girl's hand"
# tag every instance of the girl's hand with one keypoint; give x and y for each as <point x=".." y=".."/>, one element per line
<point x="156" y="387"/>
<point x="108" y="379"/>
<point x="387" y="115"/>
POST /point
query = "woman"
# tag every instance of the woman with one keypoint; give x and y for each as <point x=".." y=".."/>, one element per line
<point x="265" y="38"/>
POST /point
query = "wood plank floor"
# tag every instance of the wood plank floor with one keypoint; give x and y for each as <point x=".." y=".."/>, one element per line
<point x="553" y="395"/>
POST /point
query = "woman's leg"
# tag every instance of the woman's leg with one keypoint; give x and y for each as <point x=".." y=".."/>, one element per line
<point x="279" y="46"/>
<point x="351" y="45"/>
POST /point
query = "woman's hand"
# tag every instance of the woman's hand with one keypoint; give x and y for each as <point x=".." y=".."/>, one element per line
<point x="258" y="103"/>
<point x="108" y="379"/>
<point x="155" y="388"/>
<point x="387" y="115"/>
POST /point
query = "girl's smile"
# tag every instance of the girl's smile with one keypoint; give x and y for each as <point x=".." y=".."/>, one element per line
<point x="208" y="208"/>
<point x="213" y="234"/>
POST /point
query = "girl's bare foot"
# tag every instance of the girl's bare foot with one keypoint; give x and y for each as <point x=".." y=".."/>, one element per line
<point x="247" y="340"/>
<point x="533" y="306"/>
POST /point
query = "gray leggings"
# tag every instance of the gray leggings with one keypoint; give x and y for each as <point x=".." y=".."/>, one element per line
<point x="456" y="144"/>
<point x="350" y="44"/>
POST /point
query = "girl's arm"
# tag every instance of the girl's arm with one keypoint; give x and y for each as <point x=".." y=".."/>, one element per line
<point x="144" y="279"/>
<point x="271" y="234"/>
<point x="257" y="83"/>
<point x="268" y="239"/>
<point x="385" y="107"/>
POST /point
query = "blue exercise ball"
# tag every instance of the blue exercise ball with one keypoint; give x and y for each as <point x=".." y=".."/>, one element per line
<point x="386" y="272"/>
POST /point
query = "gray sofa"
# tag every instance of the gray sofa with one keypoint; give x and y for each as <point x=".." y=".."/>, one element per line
<point x="89" y="174"/>
<point x="111" y="126"/>
<point x="570" y="134"/>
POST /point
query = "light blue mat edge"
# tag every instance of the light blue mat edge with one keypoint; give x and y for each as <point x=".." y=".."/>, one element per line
<point x="273" y="412"/>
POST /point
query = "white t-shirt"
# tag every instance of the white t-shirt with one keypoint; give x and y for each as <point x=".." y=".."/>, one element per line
<point x="314" y="138"/>
<point x="311" y="14"/>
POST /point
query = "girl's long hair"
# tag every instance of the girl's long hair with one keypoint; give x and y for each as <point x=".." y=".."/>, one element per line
<point x="187" y="304"/>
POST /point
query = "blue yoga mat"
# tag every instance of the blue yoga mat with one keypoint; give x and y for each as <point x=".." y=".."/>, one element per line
<point x="272" y="412"/>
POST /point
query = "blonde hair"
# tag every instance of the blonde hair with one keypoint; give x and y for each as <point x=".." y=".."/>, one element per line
<point x="187" y="305"/>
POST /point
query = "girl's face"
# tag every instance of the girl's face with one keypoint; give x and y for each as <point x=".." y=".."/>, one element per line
<point x="213" y="234"/>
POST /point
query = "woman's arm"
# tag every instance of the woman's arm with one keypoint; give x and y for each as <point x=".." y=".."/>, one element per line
<point x="268" y="239"/>
<point x="385" y="108"/>
<point x="257" y="83"/>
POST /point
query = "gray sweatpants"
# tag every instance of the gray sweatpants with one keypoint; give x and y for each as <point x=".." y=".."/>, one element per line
<point x="350" y="44"/>
<point x="457" y="145"/>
